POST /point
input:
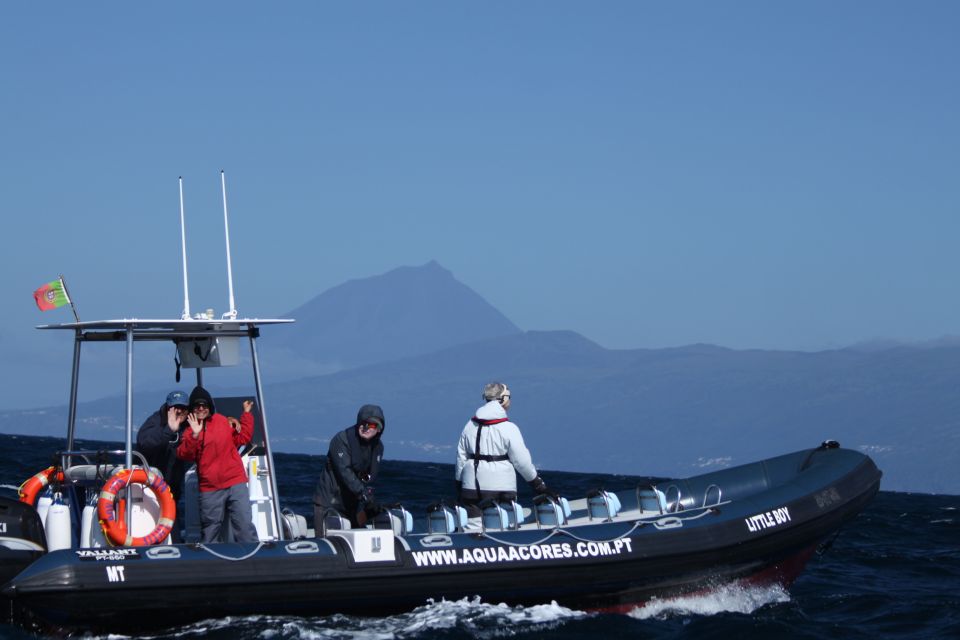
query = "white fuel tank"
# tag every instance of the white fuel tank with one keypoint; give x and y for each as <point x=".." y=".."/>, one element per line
<point x="43" y="505"/>
<point x="57" y="524"/>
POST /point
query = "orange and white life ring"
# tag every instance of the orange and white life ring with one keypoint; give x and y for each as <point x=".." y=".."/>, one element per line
<point x="112" y="519"/>
<point x="30" y="489"/>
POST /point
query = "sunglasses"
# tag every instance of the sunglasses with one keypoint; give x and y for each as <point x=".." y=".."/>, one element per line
<point x="368" y="426"/>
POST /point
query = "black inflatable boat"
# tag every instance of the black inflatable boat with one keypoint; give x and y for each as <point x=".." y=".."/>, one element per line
<point x="606" y="550"/>
<point x="612" y="551"/>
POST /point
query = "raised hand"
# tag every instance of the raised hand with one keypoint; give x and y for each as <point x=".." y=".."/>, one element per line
<point x="195" y="424"/>
<point x="173" y="419"/>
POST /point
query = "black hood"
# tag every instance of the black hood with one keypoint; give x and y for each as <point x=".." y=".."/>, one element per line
<point x="371" y="413"/>
<point x="199" y="393"/>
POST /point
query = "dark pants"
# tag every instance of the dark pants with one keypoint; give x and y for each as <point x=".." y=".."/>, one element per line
<point x="469" y="498"/>
<point x="235" y="501"/>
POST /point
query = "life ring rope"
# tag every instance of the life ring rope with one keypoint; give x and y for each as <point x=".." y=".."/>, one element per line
<point x="110" y="510"/>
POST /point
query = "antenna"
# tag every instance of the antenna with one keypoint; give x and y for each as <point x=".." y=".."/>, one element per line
<point x="183" y="244"/>
<point x="232" y="314"/>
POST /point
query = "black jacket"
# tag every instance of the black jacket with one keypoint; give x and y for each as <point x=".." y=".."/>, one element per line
<point x="158" y="444"/>
<point x="352" y="464"/>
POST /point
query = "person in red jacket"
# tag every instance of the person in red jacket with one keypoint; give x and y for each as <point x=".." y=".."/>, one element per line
<point x="212" y="442"/>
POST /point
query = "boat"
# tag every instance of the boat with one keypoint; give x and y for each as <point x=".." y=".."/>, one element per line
<point x="608" y="549"/>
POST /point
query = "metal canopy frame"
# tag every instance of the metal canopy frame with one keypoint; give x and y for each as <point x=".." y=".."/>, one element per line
<point x="134" y="330"/>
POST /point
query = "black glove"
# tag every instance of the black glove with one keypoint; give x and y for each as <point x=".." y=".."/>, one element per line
<point x="372" y="507"/>
<point x="540" y="487"/>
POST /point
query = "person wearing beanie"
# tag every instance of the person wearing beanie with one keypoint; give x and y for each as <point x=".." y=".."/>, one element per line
<point x="212" y="442"/>
<point x="353" y="461"/>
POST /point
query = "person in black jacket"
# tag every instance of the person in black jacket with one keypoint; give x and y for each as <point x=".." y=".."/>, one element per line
<point x="353" y="461"/>
<point x="159" y="437"/>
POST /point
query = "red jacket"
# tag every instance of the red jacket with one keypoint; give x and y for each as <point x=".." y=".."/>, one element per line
<point x="215" y="451"/>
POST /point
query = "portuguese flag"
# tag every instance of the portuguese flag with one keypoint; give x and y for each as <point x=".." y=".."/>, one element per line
<point x="51" y="295"/>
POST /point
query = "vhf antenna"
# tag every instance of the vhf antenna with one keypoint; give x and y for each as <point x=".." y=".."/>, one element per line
<point x="183" y="244"/>
<point x="232" y="314"/>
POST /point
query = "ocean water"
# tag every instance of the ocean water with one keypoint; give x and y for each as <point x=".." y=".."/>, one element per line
<point x="893" y="572"/>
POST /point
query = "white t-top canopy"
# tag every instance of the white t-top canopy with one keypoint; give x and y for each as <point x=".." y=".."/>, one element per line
<point x="191" y="325"/>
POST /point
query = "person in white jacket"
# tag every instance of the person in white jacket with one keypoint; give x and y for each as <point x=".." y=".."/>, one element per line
<point x="489" y="450"/>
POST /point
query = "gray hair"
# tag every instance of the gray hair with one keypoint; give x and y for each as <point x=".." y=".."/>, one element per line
<point x="493" y="390"/>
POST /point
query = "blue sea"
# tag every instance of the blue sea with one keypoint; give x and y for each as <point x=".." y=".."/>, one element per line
<point x="893" y="572"/>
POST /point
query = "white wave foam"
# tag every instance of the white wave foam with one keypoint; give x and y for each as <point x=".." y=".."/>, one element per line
<point x="726" y="599"/>
<point x="475" y="618"/>
<point x="195" y="630"/>
<point x="479" y="618"/>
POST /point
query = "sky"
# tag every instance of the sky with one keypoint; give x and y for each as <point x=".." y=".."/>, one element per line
<point x="748" y="174"/>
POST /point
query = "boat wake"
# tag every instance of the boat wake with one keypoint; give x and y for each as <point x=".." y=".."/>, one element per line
<point x="461" y="618"/>
<point x="466" y="618"/>
<point x="734" y="598"/>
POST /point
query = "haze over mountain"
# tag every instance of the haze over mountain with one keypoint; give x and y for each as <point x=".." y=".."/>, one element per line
<point x="582" y="407"/>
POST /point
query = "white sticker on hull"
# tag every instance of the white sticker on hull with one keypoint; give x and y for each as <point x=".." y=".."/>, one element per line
<point x="555" y="551"/>
<point x="112" y="555"/>
<point x="768" y="520"/>
<point x="115" y="573"/>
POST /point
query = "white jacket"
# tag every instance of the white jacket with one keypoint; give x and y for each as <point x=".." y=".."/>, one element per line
<point x="498" y="439"/>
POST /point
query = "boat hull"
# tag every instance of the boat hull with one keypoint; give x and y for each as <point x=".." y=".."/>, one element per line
<point x="136" y="609"/>
<point x="761" y="536"/>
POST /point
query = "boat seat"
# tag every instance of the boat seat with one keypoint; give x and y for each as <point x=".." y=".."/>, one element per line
<point x="501" y="515"/>
<point x="515" y="515"/>
<point x="445" y="519"/>
<point x="333" y="521"/>
<point x="396" y="518"/>
<point x="550" y="512"/>
<point x="651" y="499"/>
<point x="603" y="505"/>
<point x="294" y="525"/>
<point x="89" y="472"/>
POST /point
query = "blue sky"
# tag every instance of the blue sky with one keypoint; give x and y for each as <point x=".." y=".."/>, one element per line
<point x="749" y="174"/>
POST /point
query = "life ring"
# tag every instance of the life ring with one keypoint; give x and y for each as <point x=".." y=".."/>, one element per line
<point x="112" y="519"/>
<point x="30" y="489"/>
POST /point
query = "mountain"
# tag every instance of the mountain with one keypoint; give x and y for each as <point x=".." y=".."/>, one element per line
<point x="404" y="312"/>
